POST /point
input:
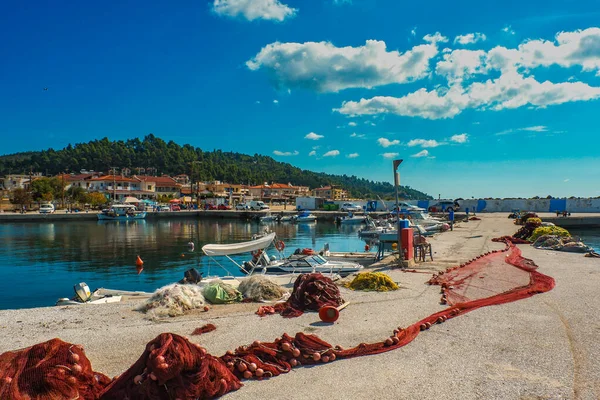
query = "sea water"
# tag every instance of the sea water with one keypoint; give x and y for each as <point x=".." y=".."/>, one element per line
<point x="42" y="261"/>
<point x="591" y="237"/>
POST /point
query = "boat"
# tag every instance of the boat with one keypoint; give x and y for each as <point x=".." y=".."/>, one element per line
<point x="269" y="218"/>
<point x="374" y="230"/>
<point x="301" y="262"/>
<point x="280" y="271"/>
<point x="365" y="258"/>
<point x="121" y="212"/>
<point x="100" y="296"/>
<point x="351" y="219"/>
<point x="304" y="217"/>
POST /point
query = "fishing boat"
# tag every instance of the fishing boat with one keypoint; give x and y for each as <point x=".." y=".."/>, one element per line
<point x="304" y="217"/>
<point x="121" y="212"/>
<point x="282" y="271"/>
<point x="364" y="258"/>
<point x="351" y="219"/>
<point x="83" y="296"/>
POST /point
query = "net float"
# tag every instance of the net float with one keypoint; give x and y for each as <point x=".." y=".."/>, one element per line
<point x="256" y="343"/>
<point x="72" y="380"/>
<point x="316" y="356"/>
<point x="422" y="327"/>
<point x="74" y="358"/>
<point x="286" y="346"/>
<point x="137" y="380"/>
<point x="8" y="379"/>
<point x="230" y="365"/>
<point x="152" y="376"/>
<point x="242" y="367"/>
<point x="160" y="359"/>
<point x="76" y="368"/>
<point x="331" y="314"/>
<point x="259" y="372"/>
<point x="252" y="367"/>
<point x="332" y="357"/>
<point x="389" y="342"/>
<point x="325" y="359"/>
<point x="164" y="366"/>
<point x="247" y="374"/>
<point x="296" y="353"/>
<point x="293" y="362"/>
<point x="396" y="340"/>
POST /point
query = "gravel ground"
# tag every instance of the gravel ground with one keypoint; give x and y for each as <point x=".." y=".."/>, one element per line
<point x="544" y="347"/>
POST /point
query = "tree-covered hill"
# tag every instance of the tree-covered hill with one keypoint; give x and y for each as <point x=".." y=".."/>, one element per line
<point x="172" y="159"/>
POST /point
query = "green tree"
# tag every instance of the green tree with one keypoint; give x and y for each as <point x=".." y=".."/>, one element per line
<point x="96" y="199"/>
<point x="21" y="197"/>
<point x="76" y="194"/>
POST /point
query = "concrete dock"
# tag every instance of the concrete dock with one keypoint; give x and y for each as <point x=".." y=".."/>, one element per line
<point x="543" y="347"/>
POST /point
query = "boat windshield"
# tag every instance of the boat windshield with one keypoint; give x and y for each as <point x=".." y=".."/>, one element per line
<point x="315" y="261"/>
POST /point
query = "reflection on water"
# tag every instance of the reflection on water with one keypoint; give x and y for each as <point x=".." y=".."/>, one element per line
<point x="42" y="262"/>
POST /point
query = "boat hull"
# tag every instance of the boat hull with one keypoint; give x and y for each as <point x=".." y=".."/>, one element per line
<point x="106" y="217"/>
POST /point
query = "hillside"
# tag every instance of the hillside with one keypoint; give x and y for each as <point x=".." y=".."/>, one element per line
<point x="172" y="159"/>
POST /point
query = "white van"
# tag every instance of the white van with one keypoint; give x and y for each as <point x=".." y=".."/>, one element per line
<point x="46" y="209"/>
<point x="258" y="206"/>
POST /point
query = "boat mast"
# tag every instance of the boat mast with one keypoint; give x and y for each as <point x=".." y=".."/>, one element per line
<point x="114" y="171"/>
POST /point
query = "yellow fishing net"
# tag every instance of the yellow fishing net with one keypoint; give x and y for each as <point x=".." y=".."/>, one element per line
<point x="372" y="281"/>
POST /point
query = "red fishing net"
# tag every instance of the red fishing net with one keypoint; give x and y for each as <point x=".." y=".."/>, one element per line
<point x="311" y="292"/>
<point x="49" y="370"/>
<point x="204" y="329"/>
<point x="173" y="368"/>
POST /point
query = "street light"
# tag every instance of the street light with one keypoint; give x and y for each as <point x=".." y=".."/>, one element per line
<point x="396" y="184"/>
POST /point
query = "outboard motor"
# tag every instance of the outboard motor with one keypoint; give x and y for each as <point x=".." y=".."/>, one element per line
<point x="82" y="292"/>
<point x="191" y="276"/>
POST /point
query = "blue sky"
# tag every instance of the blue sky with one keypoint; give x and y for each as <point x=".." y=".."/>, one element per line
<point x="478" y="99"/>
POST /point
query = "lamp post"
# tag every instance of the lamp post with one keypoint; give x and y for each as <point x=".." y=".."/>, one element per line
<point x="396" y="164"/>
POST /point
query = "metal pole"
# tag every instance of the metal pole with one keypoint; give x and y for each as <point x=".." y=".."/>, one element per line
<point x="396" y="164"/>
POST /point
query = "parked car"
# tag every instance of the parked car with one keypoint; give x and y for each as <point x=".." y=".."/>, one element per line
<point x="175" y="207"/>
<point x="242" y="206"/>
<point x="47" y="209"/>
<point x="258" y="206"/>
<point x="223" y="207"/>
<point x="350" y="207"/>
<point x="404" y="206"/>
<point x="444" y="206"/>
<point x="163" y="208"/>
<point x="209" y="206"/>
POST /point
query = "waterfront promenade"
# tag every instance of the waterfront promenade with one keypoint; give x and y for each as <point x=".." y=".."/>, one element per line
<point x="544" y="347"/>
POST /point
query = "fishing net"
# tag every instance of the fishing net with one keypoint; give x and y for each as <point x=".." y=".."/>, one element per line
<point x="548" y="230"/>
<point x="172" y="367"/>
<point x="219" y="292"/>
<point x="311" y="292"/>
<point x="49" y="370"/>
<point x="372" y="281"/>
<point x="173" y="300"/>
<point x="558" y="243"/>
<point x="260" y="288"/>
<point x="204" y="329"/>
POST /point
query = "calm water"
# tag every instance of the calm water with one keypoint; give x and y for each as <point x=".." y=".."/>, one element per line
<point x="591" y="237"/>
<point x="42" y="262"/>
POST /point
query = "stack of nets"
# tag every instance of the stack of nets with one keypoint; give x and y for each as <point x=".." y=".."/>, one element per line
<point x="49" y="370"/>
<point x="219" y="292"/>
<point x="555" y="242"/>
<point x="372" y="281"/>
<point x="171" y="367"/>
<point x="173" y="300"/>
<point x="260" y="288"/>
<point x="311" y="292"/>
<point x="548" y="230"/>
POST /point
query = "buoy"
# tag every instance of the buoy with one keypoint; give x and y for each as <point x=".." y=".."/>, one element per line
<point x="331" y="314"/>
<point x="139" y="262"/>
<point x="367" y="247"/>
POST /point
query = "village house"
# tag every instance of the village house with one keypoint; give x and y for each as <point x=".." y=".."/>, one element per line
<point x="277" y="191"/>
<point x="331" y="193"/>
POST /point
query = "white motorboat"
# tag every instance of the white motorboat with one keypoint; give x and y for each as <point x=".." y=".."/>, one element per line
<point x="100" y="296"/>
<point x="351" y="219"/>
<point x="301" y="264"/>
<point x="304" y="217"/>
<point x="121" y="212"/>
<point x="268" y="218"/>
<point x="279" y="271"/>
<point x="365" y="258"/>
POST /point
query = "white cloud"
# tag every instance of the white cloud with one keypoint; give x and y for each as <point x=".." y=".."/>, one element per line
<point x="313" y="136"/>
<point x="424" y="143"/>
<point x="312" y="153"/>
<point x="352" y="155"/>
<point x="460" y="138"/>
<point x="338" y="2"/>
<point x="276" y="101"/>
<point x="352" y="123"/>
<point x="251" y="10"/>
<point x="510" y="90"/>
<point x="470" y="38"/>
<point x="566" y="180"/>
<point x="422" y="153"/>
<point x="537" y="128"/>
<point x="413" y="31"/>
<point x="285" y="153"/>
<point x="459" y="64"/>
<point x="323" y="67"/>
<point x="508" y="29"/>
<point x="332" y="153"/>
<point x="435" y="38"/>
<point x="257" y="102"/>
<point x="383" y="142"/>
<point x="390" y="155"/>
<point x="357" y="135"/>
